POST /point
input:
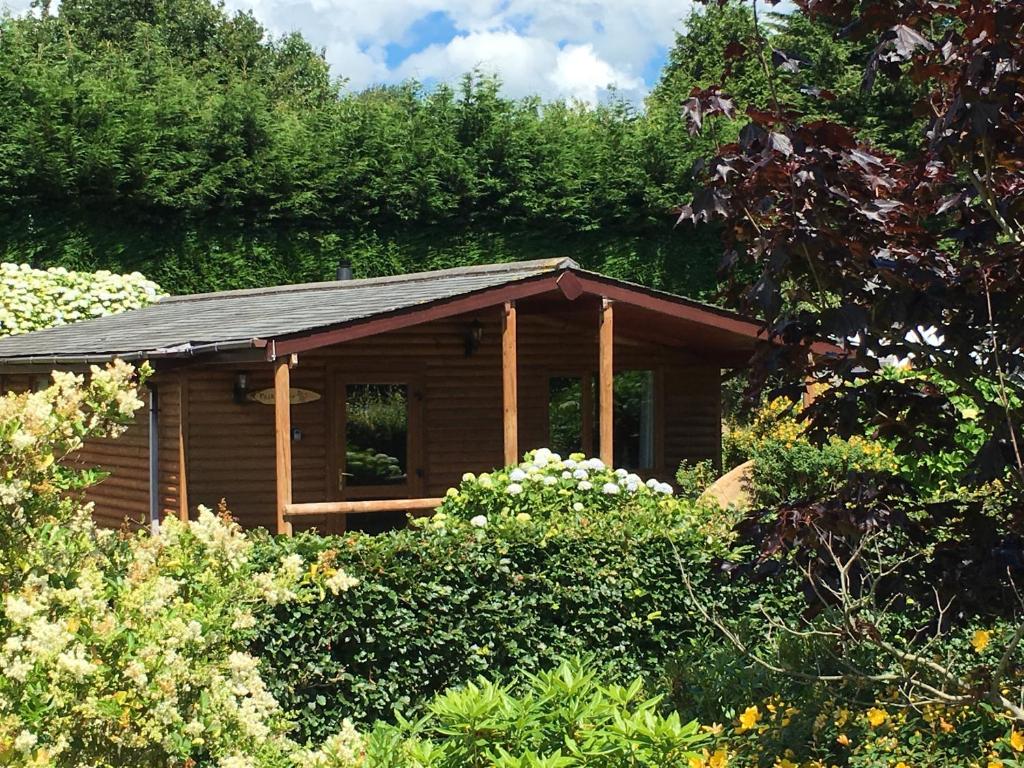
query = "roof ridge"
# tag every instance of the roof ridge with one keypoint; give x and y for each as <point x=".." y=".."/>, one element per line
<point x="549" y="265"/>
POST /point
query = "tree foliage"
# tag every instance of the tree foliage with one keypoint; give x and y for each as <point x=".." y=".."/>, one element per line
<point x="892" y="255"/>
<point x="174" y="138"/>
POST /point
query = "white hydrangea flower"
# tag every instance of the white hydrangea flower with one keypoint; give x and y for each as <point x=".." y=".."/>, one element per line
<point x="549" y="480"/>
<point x="480" y="521"/>
<point x="517" y="475"/>
<point x="577" y="506"/>
<point x="580" y="474"/>
<point x="585" y="485"/>
<point x="514" y="489"/>
<point x="611" y="489"/>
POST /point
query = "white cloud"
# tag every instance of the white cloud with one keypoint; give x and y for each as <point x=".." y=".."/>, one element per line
<point x="557" y="48"/>
<point x="580" y="73"/>
<point x="526" y="64"/>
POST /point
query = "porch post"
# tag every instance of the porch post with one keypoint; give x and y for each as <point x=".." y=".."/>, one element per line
<point x="606" y="381"/>
<point x="509" y="384"/>
<point x="283" y="440"/>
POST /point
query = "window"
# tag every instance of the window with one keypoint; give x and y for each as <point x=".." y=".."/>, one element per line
<point x="376" y="434"/>
<point x="634" y="419"/>
<point x="565" y="415"/>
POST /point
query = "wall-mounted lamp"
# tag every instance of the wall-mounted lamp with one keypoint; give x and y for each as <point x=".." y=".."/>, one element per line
<point x="473" y="336"/>
<point x="241" y="387"/>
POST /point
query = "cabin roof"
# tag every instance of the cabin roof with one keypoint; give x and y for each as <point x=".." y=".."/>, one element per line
<point x="302" y="316"/>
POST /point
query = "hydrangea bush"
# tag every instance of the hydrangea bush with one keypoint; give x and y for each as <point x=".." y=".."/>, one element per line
<point x="120" y="650"/>
<point x="545" y="484"/>
<point x="38" y="298"/>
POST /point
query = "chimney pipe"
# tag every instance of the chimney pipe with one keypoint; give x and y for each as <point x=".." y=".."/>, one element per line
<point x="344" y="271"/>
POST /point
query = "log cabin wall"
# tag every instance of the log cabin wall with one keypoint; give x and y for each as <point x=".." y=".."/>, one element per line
<point x="122" y="498"/>
<point x="231" y="447"/>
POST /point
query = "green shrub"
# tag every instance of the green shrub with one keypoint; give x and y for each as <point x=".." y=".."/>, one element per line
<point x="693" y="478"/>
<point x="788" y="466"/>
<point x="511" y="575"/>
<point x="36" y="298"/>
<point x="559" y="718"/>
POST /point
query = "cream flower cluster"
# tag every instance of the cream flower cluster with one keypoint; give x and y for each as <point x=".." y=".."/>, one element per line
<point x="137" y="648"/>
<point x="41" y="428"/>
<point x="36" y="298"/>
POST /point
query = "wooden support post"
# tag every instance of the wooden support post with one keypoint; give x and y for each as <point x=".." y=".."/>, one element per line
<point x="509" y="384"/>
<point x="182" y="447"/>
<point x="283" y="441"/>
<point x="606" y="381"/>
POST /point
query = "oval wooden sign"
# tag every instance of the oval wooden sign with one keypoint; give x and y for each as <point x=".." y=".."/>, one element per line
<point x="296" y="396"/>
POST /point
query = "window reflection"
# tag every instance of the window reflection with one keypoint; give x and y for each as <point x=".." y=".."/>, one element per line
<point x="376" y="434"/>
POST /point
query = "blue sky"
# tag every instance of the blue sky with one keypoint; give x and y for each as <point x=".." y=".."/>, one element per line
<point x="556" y="48"/>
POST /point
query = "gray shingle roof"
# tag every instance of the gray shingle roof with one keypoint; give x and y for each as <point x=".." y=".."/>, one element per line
<point x="235" y="318"/>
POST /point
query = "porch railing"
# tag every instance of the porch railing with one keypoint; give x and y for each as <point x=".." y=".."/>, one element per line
<point x="357" y="507"/>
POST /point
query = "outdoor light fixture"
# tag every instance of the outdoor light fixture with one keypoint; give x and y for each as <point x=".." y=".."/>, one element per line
<point x="241" y="387"/>
<point x="474" y="335"/>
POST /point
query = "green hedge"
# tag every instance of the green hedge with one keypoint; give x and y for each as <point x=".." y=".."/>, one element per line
<point x="445" y="601"/>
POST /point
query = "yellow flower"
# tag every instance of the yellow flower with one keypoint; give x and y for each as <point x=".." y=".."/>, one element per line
<point x="749" y="718"/>
<point x="719" y="760"/>
<point x="901" y="764"/>
<point x="980" y="639"/>
<point x="995" y="764"/>
<point x="1016" y="740"/>
<point x="785" y="763"/>
<point x="877" y="716"/>
<point x="946" y="726"/>
<point x="841" y="717"/>
<point x="843" y="739"/>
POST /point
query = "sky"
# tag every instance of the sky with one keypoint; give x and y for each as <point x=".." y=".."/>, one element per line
<point x="572" y="49"/>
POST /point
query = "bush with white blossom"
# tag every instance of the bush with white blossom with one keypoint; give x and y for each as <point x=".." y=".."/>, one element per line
<point x="40" y="298"/>
<point x="38" y="430"/>
<point x="545" y="484"/>
<point x="131" y="650"/>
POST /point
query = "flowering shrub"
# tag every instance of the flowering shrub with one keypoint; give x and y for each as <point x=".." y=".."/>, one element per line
<point x="787" y="465"/>
<point x="131" y="651"/>
<point x="36" y="298"/>
<point x="545" y="484"/>
<point x="38" y="430"/>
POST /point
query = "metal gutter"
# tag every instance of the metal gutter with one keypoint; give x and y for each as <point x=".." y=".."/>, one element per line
<point x="184" y="350"/>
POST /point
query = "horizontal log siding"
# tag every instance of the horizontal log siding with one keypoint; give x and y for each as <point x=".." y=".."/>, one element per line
<point x="230" y="447"/>
<point x="122" y="498"/>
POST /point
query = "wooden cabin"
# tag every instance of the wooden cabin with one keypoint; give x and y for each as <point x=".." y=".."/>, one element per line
<point x="349" y="403"/>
